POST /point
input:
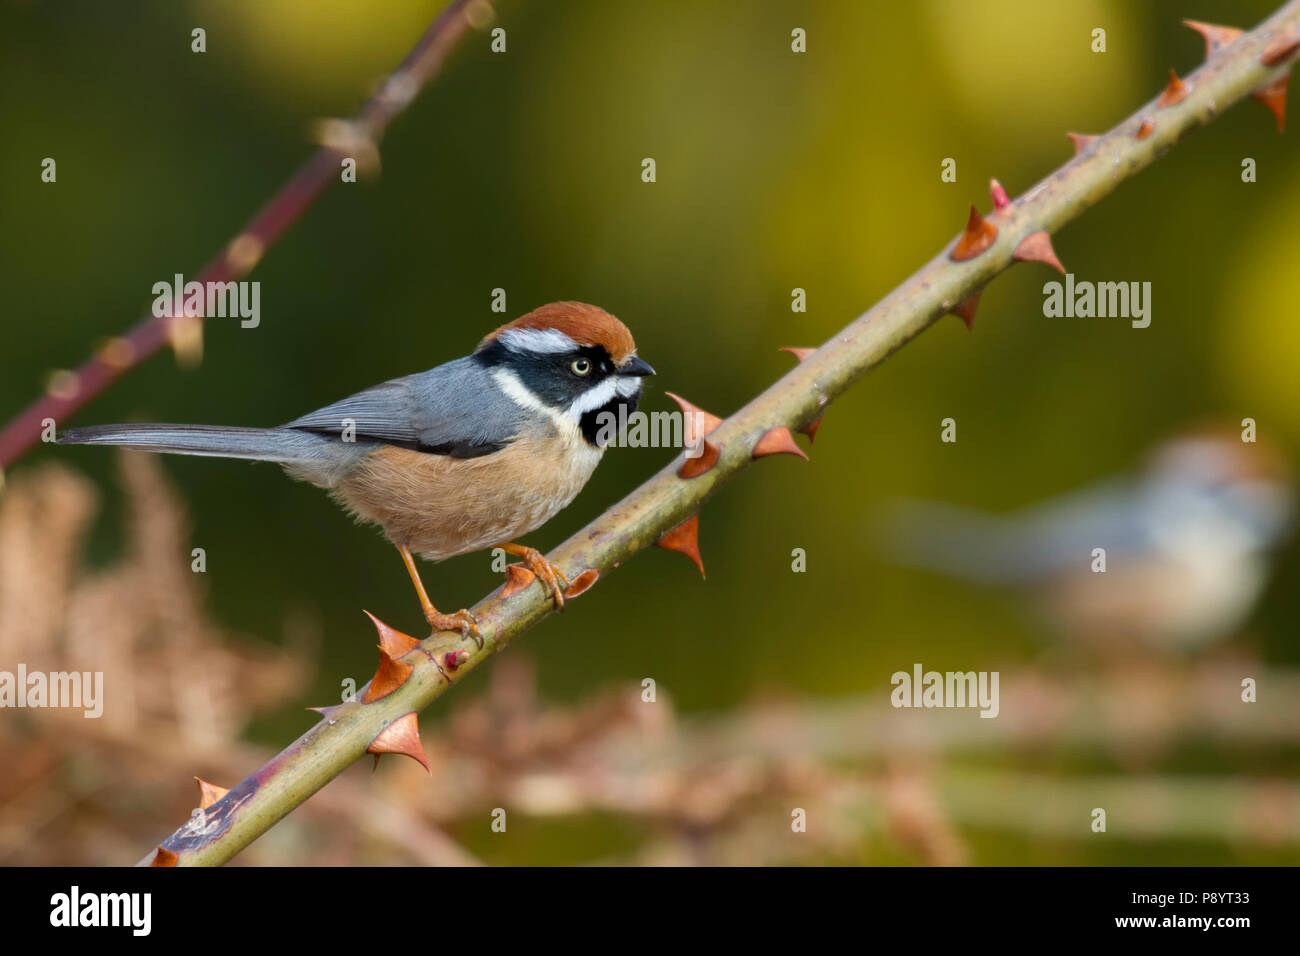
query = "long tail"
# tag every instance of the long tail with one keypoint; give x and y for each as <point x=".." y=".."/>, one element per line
<point x="284" y="445"/>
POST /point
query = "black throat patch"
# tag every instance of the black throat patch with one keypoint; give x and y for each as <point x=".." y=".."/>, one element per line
<point x="617" y="410"/>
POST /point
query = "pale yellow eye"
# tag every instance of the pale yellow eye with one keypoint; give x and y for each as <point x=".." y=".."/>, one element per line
<point x="580" y="366"/>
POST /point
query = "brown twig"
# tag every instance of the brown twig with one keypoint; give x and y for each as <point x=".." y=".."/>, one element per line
<point x="358" y="137"/>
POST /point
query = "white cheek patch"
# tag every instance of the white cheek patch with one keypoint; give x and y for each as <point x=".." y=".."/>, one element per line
<point x="567" y="420"/>
<point x="594" y="398"/>
<point x="601" y="395"/>
<point x="544" y="341"/>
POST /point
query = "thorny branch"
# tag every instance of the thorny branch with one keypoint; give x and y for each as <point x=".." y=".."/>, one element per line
<point x="357" y="138"/>
<point x="665" y="508"/>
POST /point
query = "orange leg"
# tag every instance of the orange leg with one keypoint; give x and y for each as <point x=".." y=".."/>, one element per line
<point x="461" y="620"/>
<point x="547" y="573"/>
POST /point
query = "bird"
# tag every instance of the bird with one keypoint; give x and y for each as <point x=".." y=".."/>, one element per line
<point x="469" y="455"/>
<point x="1187" y="543"/>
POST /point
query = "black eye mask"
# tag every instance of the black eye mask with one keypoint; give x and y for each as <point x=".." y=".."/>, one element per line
<point x="550" y="375"/>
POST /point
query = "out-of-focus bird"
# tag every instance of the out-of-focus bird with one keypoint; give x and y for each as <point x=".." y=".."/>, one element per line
<point x="1187" y="543"/>
<point x="465" y="456"/>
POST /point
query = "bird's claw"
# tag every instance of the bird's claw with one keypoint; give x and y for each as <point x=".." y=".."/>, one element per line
<point x="461" y="620"/>
<point x="549" y="574"/>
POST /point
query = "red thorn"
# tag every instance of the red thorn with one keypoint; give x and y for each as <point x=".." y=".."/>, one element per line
<point x="1081" y="141"/>
<point x="697" y="422"/>
<point x="1281" y="49"/>
<point x="1000" y="198"/>
<point x="164" y="857"/>
<point x="1037" y="247"/>
<point x="392" y="641"/>
<point x="518" y="577"/>
<point x="581" y="583"/>
<point x="965" y="309"/>
<point x="799" y="353"/>
<point x="389" y="676"/>
<point x="979" y="235"/>
<point x="453" y="659"/>
<point x="811" y="428"/>
<point x="209" y="793"/>
<point x="1145" y="130"/>
<point x="402" y="736"/>
<point x="1216" y="37"/>
<point x="778" y="441"/>
<point x="1175" y="92"/>
<point x="1274" y="97"/>
<point x="699" y="464"/>
<point x="685" y="538"/>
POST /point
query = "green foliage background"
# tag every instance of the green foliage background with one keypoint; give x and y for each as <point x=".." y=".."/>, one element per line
<point x="775" y="170"/>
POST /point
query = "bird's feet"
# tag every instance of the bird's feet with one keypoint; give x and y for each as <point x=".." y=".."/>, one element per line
<point x="550" y="575"/>
<point x="461" y="620"/>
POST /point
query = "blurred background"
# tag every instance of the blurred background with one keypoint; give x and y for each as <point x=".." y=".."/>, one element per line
<point x="522" y="171"/>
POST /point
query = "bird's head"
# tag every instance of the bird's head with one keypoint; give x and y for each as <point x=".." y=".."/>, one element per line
<point x="573" y="361"/>
<point x="1248" y="483"/>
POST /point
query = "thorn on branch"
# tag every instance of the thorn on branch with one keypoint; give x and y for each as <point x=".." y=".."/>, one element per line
<point x="1215" y="36"/>
<point x="778" y="441"/>
<point x="1174" y="93"/>
<point x="1145" y="130"/>
<point x="582" y="583"/>
<point x="518" y="577"/>
<point x="1081" y="141"/>
<point x="164" y="857"/>
<point x="392" y="641"/>
<point x="696" y="422"/>
<point x="209" y="793"/>
<point x="389" y="676"/>
<point x="1274" y="97"/>
<point x="1037" y="247"/>
<point x="696" y="465"/>
<point x="402" y="736"/>
<point x="965" y="309"/>
<point x="685" y="538"/>
<point x="979" y="235"/>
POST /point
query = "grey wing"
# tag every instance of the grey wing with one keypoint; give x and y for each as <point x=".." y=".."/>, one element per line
<point x="454" y="409"/>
